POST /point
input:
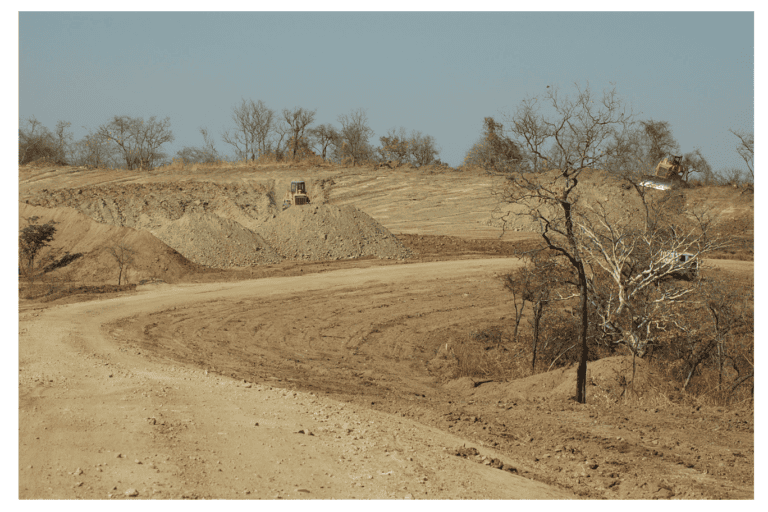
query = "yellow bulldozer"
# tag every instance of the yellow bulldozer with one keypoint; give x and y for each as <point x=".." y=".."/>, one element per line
<point x="670" y="173"/>
<point x="297" y="195"/>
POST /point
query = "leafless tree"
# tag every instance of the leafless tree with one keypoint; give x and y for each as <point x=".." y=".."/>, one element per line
<point x="731" y="176"/>
<point x="324" y="135"/>
<point x="643" y="260"/>
<point x="298" y="119"/>
<point x="206" y="154"/>
<point x="571" y="137"/>
<point x="659" y="139"/>
<point x="138" y="142"/>
<point x="494" y="150"/>
<point x="746" y="150"/>
<point x="94" y="151"/>
<point x="124" y="255"/>
<point x="539" y="284"/>
<point x="253" y="125"/>
<point x="36" y="141"/>
<point x="279" y="143"/>
<point x="723" y="305"/>
<point x="395" y="146"/>
<point x="423" y="148"/>
<point x="354" y="135"/>
<point x="695" y="162"/>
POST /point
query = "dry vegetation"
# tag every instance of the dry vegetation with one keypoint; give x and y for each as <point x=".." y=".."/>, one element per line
<point x="684" y="347"/>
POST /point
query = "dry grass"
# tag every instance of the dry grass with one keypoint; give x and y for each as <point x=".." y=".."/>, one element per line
<point x="51" y="288"/>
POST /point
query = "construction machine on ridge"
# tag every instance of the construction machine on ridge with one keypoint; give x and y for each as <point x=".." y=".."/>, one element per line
<point x="670" y="173"/>
<point x="297" y="195"/>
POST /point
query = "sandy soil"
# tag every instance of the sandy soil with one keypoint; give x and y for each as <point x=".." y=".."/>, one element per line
<point x="102" y="420"/>
<point x="200" y="388"/>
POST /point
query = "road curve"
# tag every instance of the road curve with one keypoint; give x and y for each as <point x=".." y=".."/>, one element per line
<point x="99" y="422"/>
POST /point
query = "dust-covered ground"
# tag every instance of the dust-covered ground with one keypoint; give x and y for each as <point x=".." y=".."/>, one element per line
<point x="316" y="375"/>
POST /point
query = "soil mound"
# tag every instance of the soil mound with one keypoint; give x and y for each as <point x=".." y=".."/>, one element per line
<point x="212" y="241"/>
<point x="327" y="232"/>
<point x="608" y="377"/>
<point x="77" y="233"/>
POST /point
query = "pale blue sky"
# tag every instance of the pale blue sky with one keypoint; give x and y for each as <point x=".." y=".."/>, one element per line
<point x="439" y="73"/>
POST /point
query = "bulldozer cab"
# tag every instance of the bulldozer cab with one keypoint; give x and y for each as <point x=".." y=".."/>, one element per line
<point x="297" y="195"/>
<point x="676" y="160"/>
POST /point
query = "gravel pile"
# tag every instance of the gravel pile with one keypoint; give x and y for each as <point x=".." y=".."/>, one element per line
<point x="209" y="240"/>
<point x="232" y="224"/>
<point x="326" y="232"/>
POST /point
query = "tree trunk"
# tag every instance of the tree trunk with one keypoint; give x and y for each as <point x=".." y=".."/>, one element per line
<point x="120" y="276"/>
<point x="518" y="317"/>
<point x="537" y="309"/>
<point x="581" y="372"/>
<point x="696" y="362"/>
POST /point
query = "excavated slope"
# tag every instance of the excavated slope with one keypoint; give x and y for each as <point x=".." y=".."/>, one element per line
<point x="225" y="225"/>
<point x="77" y="233"/>
<point x="150" y="206"/>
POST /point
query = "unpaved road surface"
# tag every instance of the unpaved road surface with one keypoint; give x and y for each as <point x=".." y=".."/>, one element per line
<point x="101" y="421"/>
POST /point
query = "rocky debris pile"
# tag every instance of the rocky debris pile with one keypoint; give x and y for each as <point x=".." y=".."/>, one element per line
<point x="222" y="225"/>
<point x="327" y="232"/>
<point x="210" y="240"/>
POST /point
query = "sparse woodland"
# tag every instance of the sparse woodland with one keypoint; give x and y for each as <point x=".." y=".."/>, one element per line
<point x="601" y="283"/>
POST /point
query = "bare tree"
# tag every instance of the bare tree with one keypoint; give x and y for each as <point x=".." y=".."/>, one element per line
<point x="423" y="148"/>
<point x="354" y="135"/>
<point x="324" y="135"/>
<point x="643" y="258"/>
<point x="518" y="283"/>
<point x="659" y="139"/>
<point x="298" y="119"/>
<point x="36" y="141"/>
<point x="723" y="303"/>
<point x="574" y="135"/>
<point x="536" y="284"/>
<point x="124" y="255"/>
<point x="206" y="154"/>
<point x="395" y="146"/>
<point x="731" y="176"/>
<point x="93" y="150"/>
<point x="495" y="151"/>
<point x="64" y="138"/>
<point x="279" y="144"/>
<point x="138" y="142"/>
<point x="746" y="150"/>
<point x="253" y="125"/>
<point x="695" y="162"/>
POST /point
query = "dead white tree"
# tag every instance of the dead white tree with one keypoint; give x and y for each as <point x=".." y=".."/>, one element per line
<point x="644" y="255"/>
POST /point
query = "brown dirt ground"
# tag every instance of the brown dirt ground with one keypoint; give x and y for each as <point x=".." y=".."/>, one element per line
<point x="203" y="384"/>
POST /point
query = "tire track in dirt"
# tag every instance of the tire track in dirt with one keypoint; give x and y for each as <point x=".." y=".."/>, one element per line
<point x="183" y="432"/>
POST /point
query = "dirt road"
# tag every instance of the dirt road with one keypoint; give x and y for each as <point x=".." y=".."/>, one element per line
<point x="100" y="421"/>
